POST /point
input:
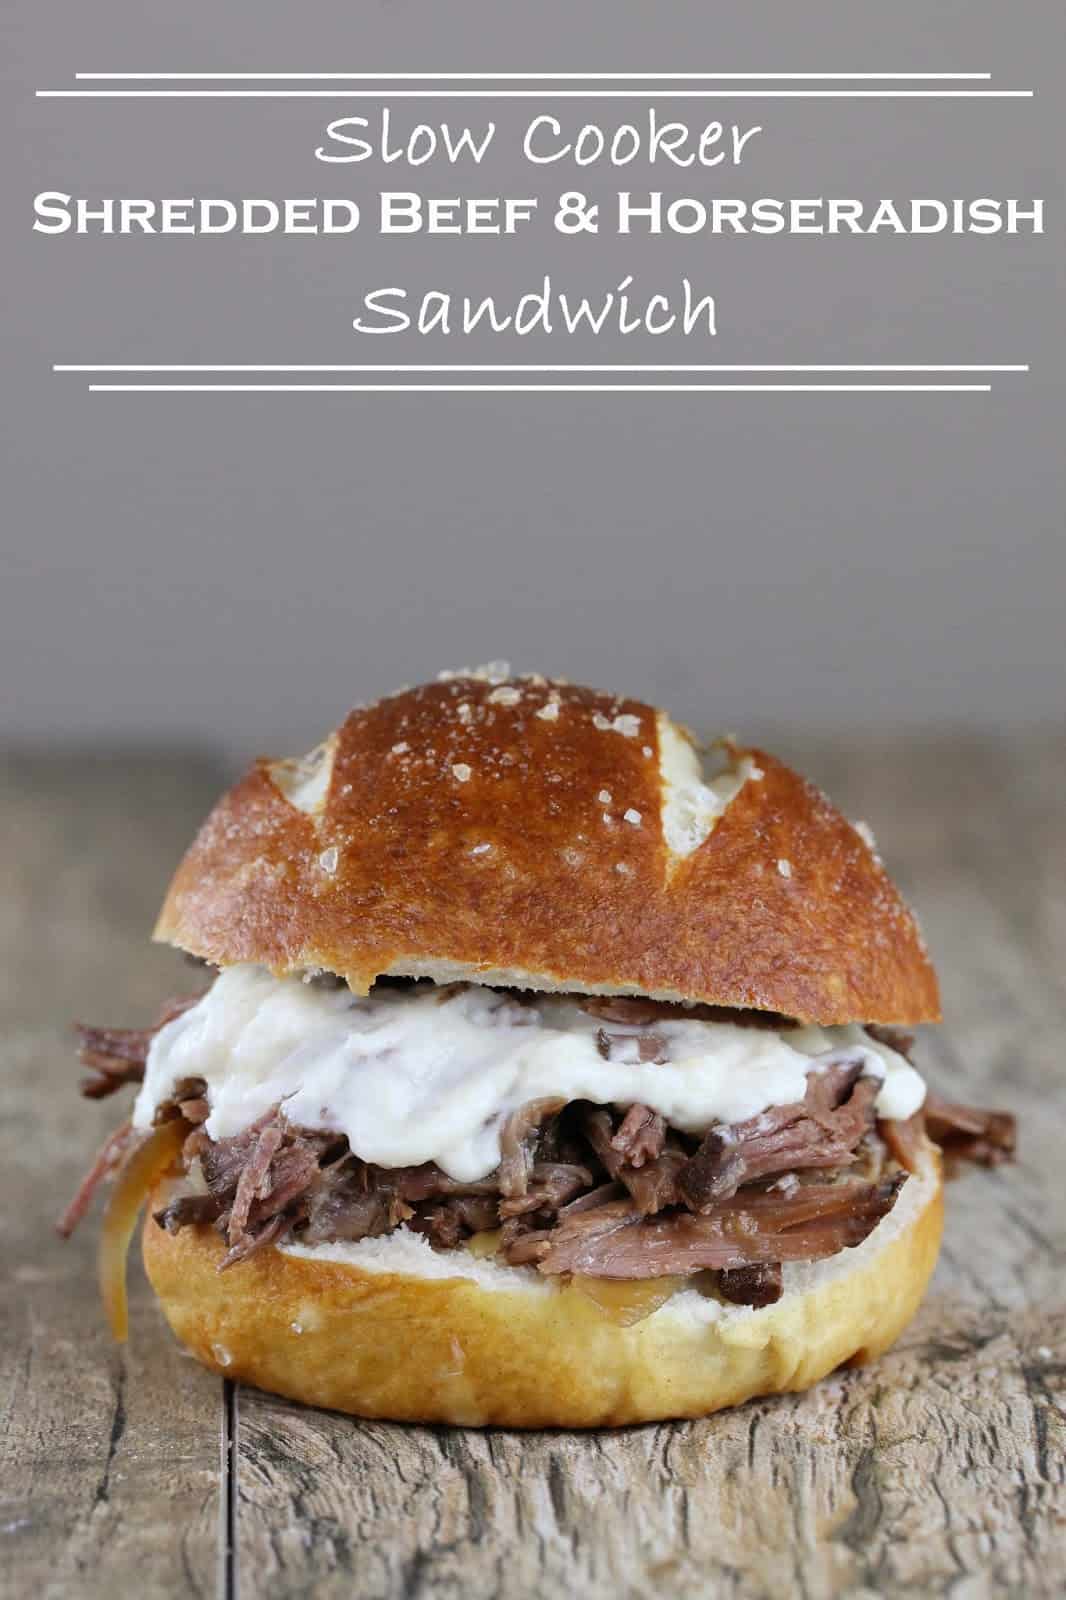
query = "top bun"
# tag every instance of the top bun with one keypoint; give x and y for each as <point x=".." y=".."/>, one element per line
<point x="523" y="832"/>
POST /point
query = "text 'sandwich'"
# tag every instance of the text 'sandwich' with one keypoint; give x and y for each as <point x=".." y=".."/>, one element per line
<point x="549" y="1075"/>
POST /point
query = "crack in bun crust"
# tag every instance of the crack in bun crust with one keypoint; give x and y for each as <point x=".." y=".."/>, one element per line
<point x="460" y="830"/>
<point x="409" y="1348"/>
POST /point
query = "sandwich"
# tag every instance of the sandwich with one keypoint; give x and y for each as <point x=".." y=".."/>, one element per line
<point x="550" y="1071"/>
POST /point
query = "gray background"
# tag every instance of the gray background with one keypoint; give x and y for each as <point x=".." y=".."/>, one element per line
<point x="241" y="568"/>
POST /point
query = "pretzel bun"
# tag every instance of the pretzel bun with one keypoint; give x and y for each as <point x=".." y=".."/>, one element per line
<point x="392" y="1330"/>
<point x="523" y="832"/>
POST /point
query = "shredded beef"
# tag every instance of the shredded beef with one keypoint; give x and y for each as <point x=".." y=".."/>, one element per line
<point x="223" y="1160"/>
<point x="822" y="1130"/>
<point x="561" y="1138"/>
<point x="631" y="1009"/>
<point x="250" y="1242"/>
<point x="632" y="1046"/>
<point x="904" y="1139"/>
<point x="255" y="1181"/>
<point x="601" y="1191"/>
<point x="188" y="1101"/>
<point x="274" y="1181"/>
<point x="598" y="1128"/>
<point x="641" y="1136"/>
<point x="967" y="1133"/>
<point x="517" y="1140"/>
<point x="594" y="1197"/>
<point x="522" y="1244"/>
<point x="806" y="1200"/>
<point x="352" y="1200"/>
<point x="653" y="1185"/>
<point x="196" y="1110"/>
<point x="428" y="1182"/>
<point x="449" y="1223"/>
<point x="116" y="1056"/>
<point x="759" y="1285"/>
<point x="553" y="1184"/>
<point x="293" y="1172"/>
<point x="353" y="1212"/>
<point x="614" y="1241"/>
<point x="108" y="1159"/>
<point x="186" y="1210"/>
<point x="637" y="1012"/>
<point x="964" y="1133"/>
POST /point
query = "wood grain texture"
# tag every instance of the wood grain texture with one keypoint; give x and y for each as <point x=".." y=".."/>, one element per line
<point x="109" y="1457"/>
<point x="939" y="1471"/>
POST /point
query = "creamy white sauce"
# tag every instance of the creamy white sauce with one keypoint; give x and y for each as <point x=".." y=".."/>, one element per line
<point x="431" y="1074"/>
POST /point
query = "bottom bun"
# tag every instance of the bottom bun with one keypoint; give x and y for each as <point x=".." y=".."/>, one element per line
<point x="387" y="1328"/>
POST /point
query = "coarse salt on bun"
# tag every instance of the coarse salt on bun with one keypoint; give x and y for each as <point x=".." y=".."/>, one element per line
<point x="387" y="1328"/>
<point x="519" y="831"/>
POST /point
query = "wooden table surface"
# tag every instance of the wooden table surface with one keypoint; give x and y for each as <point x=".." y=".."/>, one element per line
<point x="939" y="1471"/>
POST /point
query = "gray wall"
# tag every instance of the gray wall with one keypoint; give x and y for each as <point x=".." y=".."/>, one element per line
<point x="244" y="567"/>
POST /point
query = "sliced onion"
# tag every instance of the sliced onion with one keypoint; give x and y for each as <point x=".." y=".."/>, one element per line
<point x="627" y="1301"/>
<point x="622" y="1301"/>
<point x="141" y="1170"/>
<point x="484" y="1244"/>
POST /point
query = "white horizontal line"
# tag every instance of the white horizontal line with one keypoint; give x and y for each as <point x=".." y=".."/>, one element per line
<point x="539" y="388"/>
<point x="535" y="94"/>
<point x="528" y="77"/>
<point x="522" y="366"/>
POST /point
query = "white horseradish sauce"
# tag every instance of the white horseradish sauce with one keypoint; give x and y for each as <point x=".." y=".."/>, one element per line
<point x="425" y="1074"/>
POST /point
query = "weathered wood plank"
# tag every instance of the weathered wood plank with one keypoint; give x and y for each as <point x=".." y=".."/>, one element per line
<point x="939" y="1470"/>
<point x="109" y="1458"/>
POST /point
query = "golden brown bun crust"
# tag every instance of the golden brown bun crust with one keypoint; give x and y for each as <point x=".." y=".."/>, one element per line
<point x="414" y="1349"/>
<point x="782" y="907"/>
